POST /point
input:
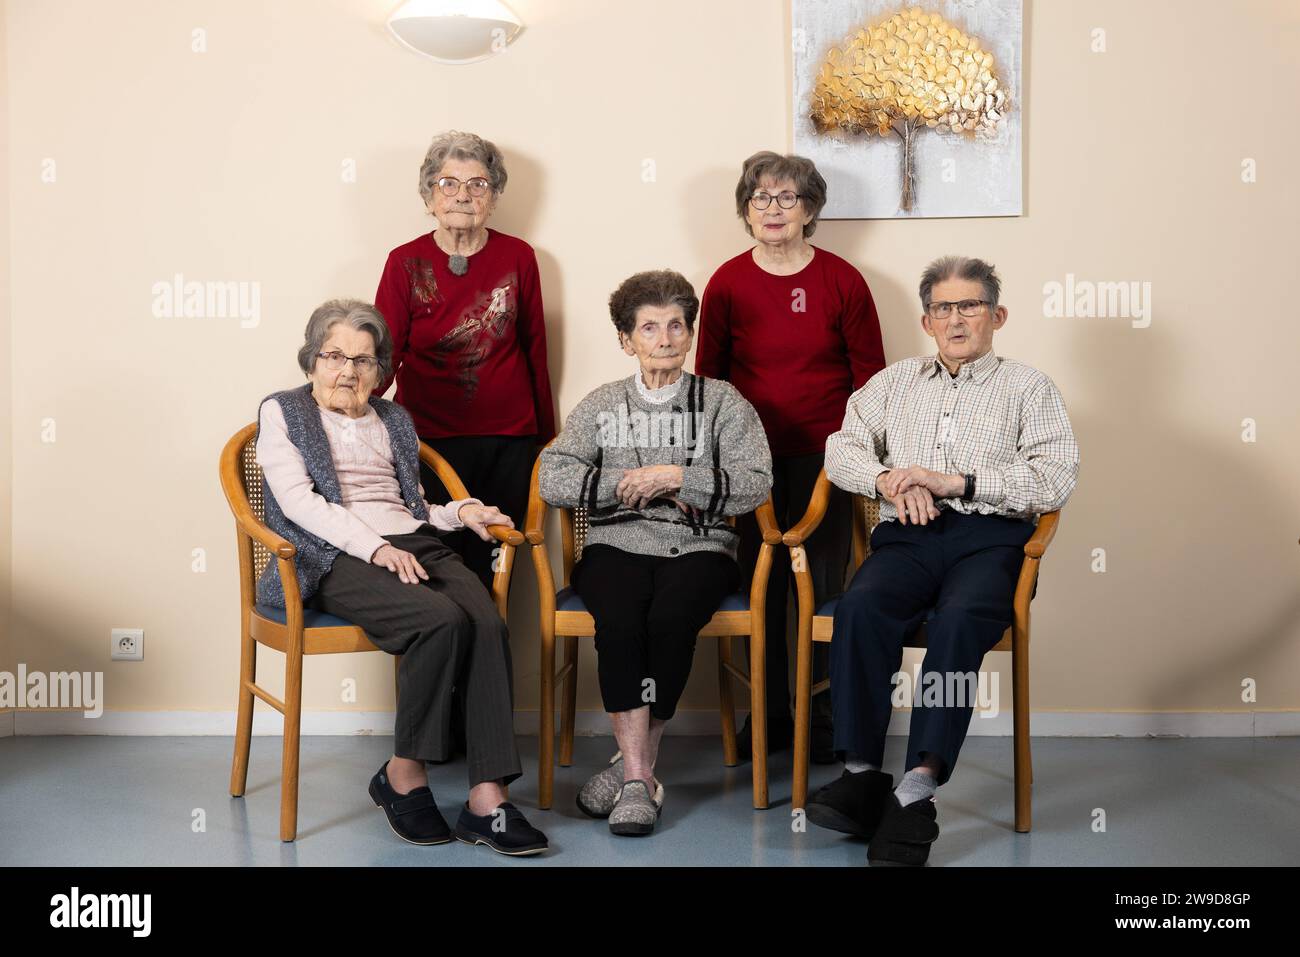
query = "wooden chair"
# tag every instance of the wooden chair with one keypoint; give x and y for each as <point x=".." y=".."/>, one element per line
<point x="294" y="630"/>
<point x="564" y="615"/>
<point x="817" y="627"/>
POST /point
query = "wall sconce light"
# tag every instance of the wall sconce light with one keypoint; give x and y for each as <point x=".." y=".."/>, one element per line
<point x="455" y="31"/>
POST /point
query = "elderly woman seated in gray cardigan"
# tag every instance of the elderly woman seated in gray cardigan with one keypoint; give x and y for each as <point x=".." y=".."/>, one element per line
<point x="341" y="470"/>
<point x="659" y="459"/>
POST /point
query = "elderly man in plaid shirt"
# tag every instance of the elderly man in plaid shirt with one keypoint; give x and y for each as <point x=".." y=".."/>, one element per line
<point x="963" y="448"/>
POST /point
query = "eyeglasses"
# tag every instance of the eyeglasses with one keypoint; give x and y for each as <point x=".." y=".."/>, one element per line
<point x="967" y="307"/>
<point x="785" y="200"/>
<point x="450" y="185"/>
<point x="337" y="360"/>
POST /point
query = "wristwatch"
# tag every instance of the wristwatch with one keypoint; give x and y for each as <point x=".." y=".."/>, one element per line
<point x="969" y="494"/>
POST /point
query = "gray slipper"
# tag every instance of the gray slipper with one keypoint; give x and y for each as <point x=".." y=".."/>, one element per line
<point x="636" y="810"/>
<point x="597" y="797"/>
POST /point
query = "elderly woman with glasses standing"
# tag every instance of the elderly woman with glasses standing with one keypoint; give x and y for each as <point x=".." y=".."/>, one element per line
<point x="793" y="327"/>
<point x="464" y="304"/>
<point x="341" y="483"/>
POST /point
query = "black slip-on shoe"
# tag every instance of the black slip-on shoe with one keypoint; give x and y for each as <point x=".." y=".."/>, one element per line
<point x="505" y="830"/>
<point x="852" y="804"/>
<point x="413" y="817"/>
<point x="821" y="747"/>
<point x="905" y="834"/>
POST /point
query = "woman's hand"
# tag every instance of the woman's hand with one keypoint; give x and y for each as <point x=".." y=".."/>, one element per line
<point x="402" y="564"/>
<point x="639" y="487"/>
<point x="477" y="518"/>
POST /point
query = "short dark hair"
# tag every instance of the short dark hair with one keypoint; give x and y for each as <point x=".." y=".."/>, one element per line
<point x="961" y="267"/>
<point x="800" y="170"/>
<point x="658" y="287"/>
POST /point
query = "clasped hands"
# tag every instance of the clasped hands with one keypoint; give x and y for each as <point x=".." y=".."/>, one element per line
<point x="913" y="491"/>
<point x="639" y="487"/>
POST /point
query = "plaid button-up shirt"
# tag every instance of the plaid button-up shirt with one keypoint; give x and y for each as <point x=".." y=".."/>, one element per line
<point x="999" y="419"/>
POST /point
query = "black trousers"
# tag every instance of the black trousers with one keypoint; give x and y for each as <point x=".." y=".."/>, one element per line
<point x="649" y="611"/>
<point x="449" y="634"/>
<point x="496" y="470"/>
<point x="965" y="567"/>
<point x="827" y="553"/>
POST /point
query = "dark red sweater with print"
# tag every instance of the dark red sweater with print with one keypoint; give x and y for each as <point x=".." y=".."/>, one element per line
<point x="795" y="346"/>
<point x="469" y="351"/>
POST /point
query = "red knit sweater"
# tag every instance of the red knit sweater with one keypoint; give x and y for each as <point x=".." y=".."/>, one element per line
<point x="795" y="346"/>
<point x="469" y="351"/>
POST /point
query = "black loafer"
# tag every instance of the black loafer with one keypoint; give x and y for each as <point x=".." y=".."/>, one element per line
<point x="505" y="830"/>
<point x="413" y="817"/>
<point x="821" y="748"/>
<point x="853" y="803"/>
<point x="905" y="834"/>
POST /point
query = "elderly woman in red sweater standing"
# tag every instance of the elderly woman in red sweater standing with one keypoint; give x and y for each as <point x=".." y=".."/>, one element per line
<point x="794" y="328"/>
<point x="464" y="305"/>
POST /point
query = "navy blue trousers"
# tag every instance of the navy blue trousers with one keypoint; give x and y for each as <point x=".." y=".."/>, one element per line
<point x="962" y="570"/>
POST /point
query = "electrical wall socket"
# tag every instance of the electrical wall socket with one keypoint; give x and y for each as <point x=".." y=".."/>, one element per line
<point x="127" y="644"/>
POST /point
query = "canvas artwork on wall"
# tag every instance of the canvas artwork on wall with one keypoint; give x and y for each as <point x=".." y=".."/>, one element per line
<point x="910" y="111"/>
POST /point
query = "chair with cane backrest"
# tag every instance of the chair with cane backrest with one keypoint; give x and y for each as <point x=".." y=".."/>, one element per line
<point x="818" y="627"/>
<point x="564" y="615"/>
<point x="294" y="630"/>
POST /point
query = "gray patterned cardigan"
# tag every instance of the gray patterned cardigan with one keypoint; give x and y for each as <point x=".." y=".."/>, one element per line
<point x="708" y="428"/>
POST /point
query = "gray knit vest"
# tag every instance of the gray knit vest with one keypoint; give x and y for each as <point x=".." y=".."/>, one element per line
<point x="316" y="556"/>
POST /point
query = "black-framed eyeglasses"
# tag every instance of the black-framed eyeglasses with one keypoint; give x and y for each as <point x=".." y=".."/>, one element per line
<point x="450" y="185"/>
<point x="337" y="360"/>
<point x="785" y="199"/>
<point x="966" y="307"/>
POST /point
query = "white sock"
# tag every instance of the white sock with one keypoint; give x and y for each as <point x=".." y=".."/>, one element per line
<point x="857" y="767"/>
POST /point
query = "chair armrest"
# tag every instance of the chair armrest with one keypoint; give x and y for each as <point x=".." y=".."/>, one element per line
<point x="446" y="474"/>
<point x="535" y="522"/>
<point x="248" y="522"/>
<point x="821" y="497"/>
<point x="1036" y="547"/>
<point x="506" y="536"/>
<point x="765" y="515"/>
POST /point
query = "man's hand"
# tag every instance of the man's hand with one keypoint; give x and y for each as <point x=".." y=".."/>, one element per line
<point x="639" y="487"/>
<point x="477" y="518"/>
<point x="402" y="564"/>
<point x="938" y="484"/>
<point x="914" y="504"/>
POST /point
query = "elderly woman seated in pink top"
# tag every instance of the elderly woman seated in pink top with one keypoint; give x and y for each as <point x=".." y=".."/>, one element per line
<point x="341" y="469"/>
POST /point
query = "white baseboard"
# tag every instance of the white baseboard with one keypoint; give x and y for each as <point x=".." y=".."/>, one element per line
<point x="1045" y="724"/>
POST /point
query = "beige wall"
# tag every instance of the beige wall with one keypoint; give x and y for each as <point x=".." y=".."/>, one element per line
<point x="225" y="165"/>
<point x="7" y="662"/>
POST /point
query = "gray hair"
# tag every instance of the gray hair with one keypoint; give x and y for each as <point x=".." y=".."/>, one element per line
<point x="659" y="287"/>
<point x="961" y="267"/>
<point x="800" y="170"/>
<point x="466" y="146"/>
<point x="361" y="316"/>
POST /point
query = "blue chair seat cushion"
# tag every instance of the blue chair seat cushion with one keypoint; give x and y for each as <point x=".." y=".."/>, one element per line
<point x="566" y="599"/>
<point x="311" y="618"/>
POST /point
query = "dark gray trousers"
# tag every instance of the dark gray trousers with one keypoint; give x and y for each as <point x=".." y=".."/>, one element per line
<point x="449" y="634"/>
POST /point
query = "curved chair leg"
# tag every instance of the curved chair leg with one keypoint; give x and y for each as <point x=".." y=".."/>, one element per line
<point x="1020" y="723"/>
<point x="546" y="716"/>
<point x="292" y="731"/>
<point x="802" y="718"/>
<point x="727" y="703"/>
<point x="244" y="720"/>
<point x="569" y="703"/>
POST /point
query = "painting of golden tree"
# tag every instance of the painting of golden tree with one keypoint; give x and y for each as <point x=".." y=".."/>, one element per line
<point x="906" y="73"/>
